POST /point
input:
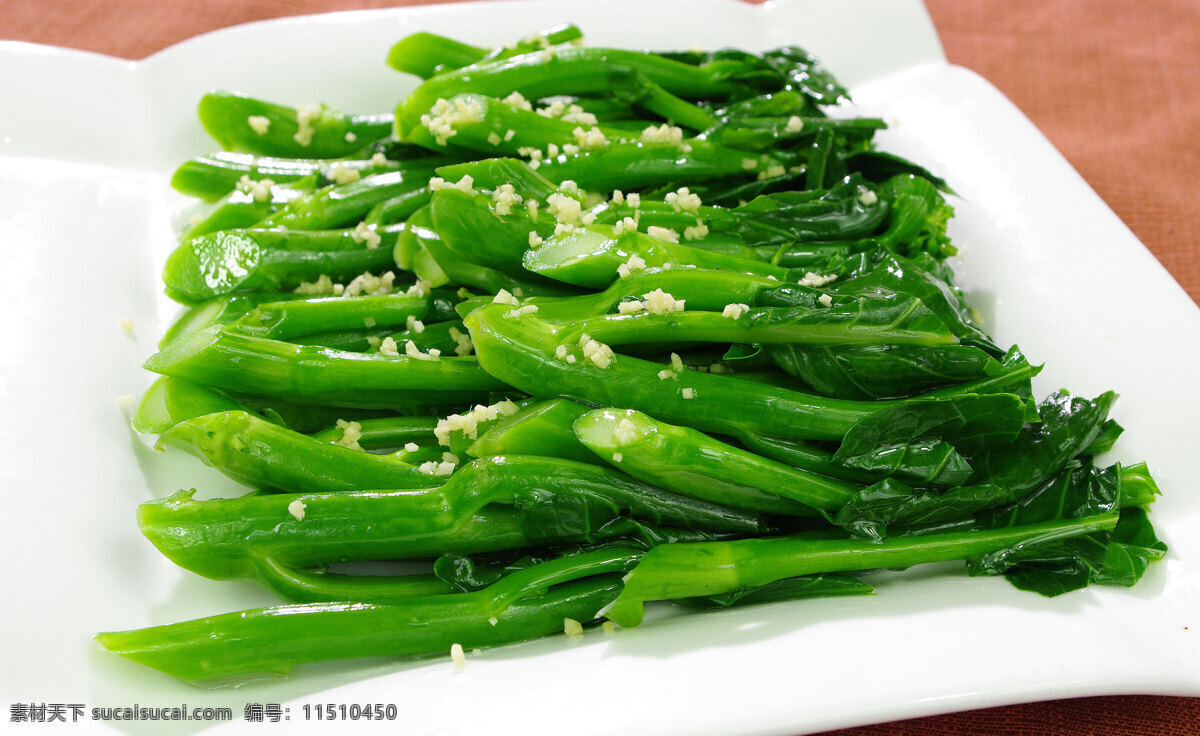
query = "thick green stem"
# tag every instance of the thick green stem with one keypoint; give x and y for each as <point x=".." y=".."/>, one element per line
<point x="689" y="462"/>
<point x="689" y="570"/>
<point x="224" y="359"/>
<point x="267" y="456"/>
<point x="271" y="641"/>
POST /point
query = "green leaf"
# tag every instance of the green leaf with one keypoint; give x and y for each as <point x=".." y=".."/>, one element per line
<point x="881" y="371"/>
<point x="1132" y="546"/>
<point x="1069" y="425"/>
<point x="892" y="503"/>
<point x="1117" y="557"/>
<point x="919" y="440"/>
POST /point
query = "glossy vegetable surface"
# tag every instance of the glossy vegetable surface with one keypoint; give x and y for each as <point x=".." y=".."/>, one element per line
<point x="576" y="330"/>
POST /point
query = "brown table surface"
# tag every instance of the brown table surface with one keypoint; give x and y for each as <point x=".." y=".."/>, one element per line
<point x="1114" y="84"/>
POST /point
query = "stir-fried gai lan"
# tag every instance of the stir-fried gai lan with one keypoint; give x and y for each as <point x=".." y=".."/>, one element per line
<point x="580" y="329"/>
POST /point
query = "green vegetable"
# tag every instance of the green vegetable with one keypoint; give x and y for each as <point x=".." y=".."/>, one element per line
<point x="271" y="641"/>
<point x="689" y="570"/>
<point x="228" y="261"/>
<point x="265" y="455"/>
<point x="228" y="359"/>
<point x="543" y="428"/>
<point x="489" y="504"/>
<point x="577" y="329"/>
<point x="226" y="117"/>
<point x="686" y="461"/>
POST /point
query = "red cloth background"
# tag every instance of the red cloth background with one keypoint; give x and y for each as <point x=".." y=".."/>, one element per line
<point x="1114" y="84"/>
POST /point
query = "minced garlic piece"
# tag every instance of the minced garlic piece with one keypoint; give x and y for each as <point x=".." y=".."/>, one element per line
<point x="683" y="200"/>
<point x="364" y="233"/>
<point x="389" y="347"/>
<point x="445" y="115"/>
<point x="504" y="198"/>
<point x="370" y="284"/>
<point x="296" y="509"/>
<point x="468" y="422"/>
<point x="516" y="99"/>
<point x="660" y="302"/>
<point x="571" y="627"/>
<point x="414" y="325"/>
<point x="412" y="351"/>
<point x="635" y="263"/>
<point x="688" y="393"/>
<point x="259" y="123"/>
<point x="457" y="656"/>
<point x="794" y="124"/>
<point x="339" y="174"/>
<point x="663" y="134"/>
<point x="351" y="433"/>
<point x="663" y="233"/>
<point x="566" y="210"/>
<point x="259" y="191"/>
<point x="432" y="467"/>
<point x="504" y="297"/>
<point x="695" y="232"/>
<point x="462" y="343"/>
<point x="676" y="363"/>
<point x="590" y="138"/>
<point x="625" y="225"/>
<point x="420" y="288"/>
<point x="465" y="184"/>
<point x="825" y="300"/>
<point x="665" y="374"/>
<point x="521" y="311"/>
<point x="735" y="311"/>
<point x="411" y="447"/>
<point x="600" y="354"/>
<point x="305" y="115"/>
<point x="576" y="114"/>
<point x="816" y="280"/>
<point x="772" y="171"/>
<point x="555" y="109"/>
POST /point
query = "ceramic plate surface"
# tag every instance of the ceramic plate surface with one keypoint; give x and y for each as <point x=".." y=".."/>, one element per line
<point x="86" y="145"/>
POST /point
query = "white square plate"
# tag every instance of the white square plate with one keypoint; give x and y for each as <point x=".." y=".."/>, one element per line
<point x="86" y="146"/>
